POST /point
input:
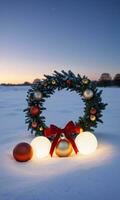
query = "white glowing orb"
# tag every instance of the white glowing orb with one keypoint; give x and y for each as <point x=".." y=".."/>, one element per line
<point x="41" y="146"/>
<point x="86" y="143"/>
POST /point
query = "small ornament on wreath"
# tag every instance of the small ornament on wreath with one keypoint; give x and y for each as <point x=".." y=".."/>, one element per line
<point x="37" y="96"/>
<point x="34" y="110"/>
<point x="92" y="111"/>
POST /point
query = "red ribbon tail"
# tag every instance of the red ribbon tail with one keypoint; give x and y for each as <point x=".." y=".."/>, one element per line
<point x="54" y="143"/>
<point x="71" y="140"/>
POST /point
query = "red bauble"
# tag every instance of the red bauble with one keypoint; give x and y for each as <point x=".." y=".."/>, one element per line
<point x="34" y="110"/>
<point x="69" y="82"/>
<point x="34" y="124"/>
<point x="22" y="152"/>
<point x="77" y="129"/>
<point x="93" y="111"/>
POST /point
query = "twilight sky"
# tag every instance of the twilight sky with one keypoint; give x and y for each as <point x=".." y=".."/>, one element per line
<point x="40" y="36"/>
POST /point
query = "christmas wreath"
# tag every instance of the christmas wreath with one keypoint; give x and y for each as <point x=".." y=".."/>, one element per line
<point x="45" y="88"/>
<point x="63" y="139"/>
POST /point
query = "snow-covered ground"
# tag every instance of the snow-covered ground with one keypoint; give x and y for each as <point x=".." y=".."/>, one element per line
<point x="93" y="177"/>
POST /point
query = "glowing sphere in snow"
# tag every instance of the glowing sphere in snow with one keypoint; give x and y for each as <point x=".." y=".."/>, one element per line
<point x="86" y="142"/>
<point x="41" y="146"/>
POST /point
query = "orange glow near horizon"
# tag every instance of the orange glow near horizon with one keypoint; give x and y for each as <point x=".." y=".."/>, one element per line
<point x="14" y="72"/>
<point x="17" y="79"/>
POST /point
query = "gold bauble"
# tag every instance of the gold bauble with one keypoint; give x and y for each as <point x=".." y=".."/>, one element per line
<point x="88" y="94"/>
<point x="63" y="148"/>
<point x="85" y="81"/>
<point x="41" y="128"/>
<point x="53" y="82"/>
<point x="92" y="117"/>
<point x="81" y="130"/>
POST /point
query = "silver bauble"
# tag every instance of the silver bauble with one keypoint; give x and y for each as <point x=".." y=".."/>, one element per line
<point x="88" y="94"/>
<point x="38" y="95"/>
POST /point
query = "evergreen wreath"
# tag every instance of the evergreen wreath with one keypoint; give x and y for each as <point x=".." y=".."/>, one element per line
<point x="45" y="88"/>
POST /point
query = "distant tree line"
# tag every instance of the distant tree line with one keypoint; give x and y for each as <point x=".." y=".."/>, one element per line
<point x="17" y="84"/>
<point x="106" y="80"/>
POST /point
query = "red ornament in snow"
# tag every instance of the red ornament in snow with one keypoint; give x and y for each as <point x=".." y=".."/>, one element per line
<point x="93" y="111"/>
<point x="22" y="152"/>
<point x="34" y="110"/>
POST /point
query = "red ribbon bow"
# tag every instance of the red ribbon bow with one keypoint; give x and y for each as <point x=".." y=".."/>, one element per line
<point x="68" y="130"/>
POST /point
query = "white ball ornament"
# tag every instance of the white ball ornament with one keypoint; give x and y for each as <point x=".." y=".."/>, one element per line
<point x="38" y="95"/>
<point x="88" y="94"/>
<point x="86" y="143"/>
<point x="41" y="146"/>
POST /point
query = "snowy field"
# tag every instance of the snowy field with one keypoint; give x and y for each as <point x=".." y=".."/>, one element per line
<point x="93" y="177"/>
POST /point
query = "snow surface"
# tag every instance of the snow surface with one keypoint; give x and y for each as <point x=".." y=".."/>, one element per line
<point x="93" y="177"/>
